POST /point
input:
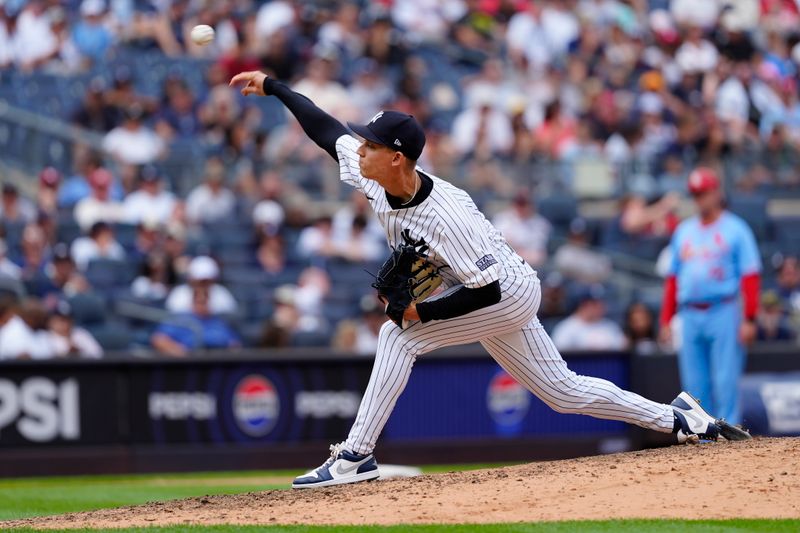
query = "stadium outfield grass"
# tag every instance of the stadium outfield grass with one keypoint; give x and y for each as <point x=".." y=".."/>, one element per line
<point x="28" y="497"/>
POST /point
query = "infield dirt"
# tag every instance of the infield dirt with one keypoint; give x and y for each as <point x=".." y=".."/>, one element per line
<point x="754" y="479"/>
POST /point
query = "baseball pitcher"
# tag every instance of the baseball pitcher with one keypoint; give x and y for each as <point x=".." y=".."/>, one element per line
<point x="490" y="294"/>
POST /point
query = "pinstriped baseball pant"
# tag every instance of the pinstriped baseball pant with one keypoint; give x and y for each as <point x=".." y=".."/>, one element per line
<point x="514" y="337"/>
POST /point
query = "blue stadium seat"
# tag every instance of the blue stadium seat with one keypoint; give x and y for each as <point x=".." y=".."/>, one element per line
<point x="753" y="209"/>
<point x="108" y="274"/>
<point x="88" y="309"/>
<point x="112" y="336"/>
<point x="558" y="209"/>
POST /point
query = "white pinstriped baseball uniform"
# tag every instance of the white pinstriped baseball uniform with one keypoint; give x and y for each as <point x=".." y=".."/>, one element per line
<point x="473" y="253"/>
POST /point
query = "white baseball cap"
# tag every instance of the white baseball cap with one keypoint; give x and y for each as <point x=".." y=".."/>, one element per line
<point x="202" y="267"/>
<point x="90" y="8"/>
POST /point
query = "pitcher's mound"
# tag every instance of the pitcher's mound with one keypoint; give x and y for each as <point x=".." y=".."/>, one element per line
<point x="754" y="479"/>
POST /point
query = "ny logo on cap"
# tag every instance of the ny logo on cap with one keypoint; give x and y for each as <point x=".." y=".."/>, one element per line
<point x="378" y="115"/>
<point x="397" y="142"/>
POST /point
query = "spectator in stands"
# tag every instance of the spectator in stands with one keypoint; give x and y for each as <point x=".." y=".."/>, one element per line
<point x="16" y="338"/>
<point x="361" y="335"/>
<point x="772" y="323"/>
<point x="202" y="273"/>
<point x="212" y="201"/>
<point x="147" y="239"/>
<point x="588" y="328"/>
<point x="132" y="142"/>
<point x="640" y="329"/>
<point x="98" y="206"/>
<point x="174" y="245"/>
<point x="62" y="279"/>
<point x="524" y="229"/>
<point x="14" y="208"/>
<point x="35" y="252"/>
<point x="556" y="134"/>
<point x="178" y="118"/>
<point x="320" y="85"/>
<point x="297" y="311"/>
<point x="554" y="297"/>
<point x="94" y="112"/>
<point x="47" y="192"/>
<point x="482" y="130"/>
<point x="35" y="315"/>
<point x="122" y="95"/>
<point x="658" y="219"/>
<point x="98" y="244"/>
<point x="198" y="329"/>
<point x="8" y="268"/>
<point x="271" y="253"/>
<point x="7" y="52"/>
<point x="69" y="340"/>
<point x="317" y="240"/>
<point x="789" y="285"/>
<point x="358" y="206"/>
<point x="576" y="260"/>
<point x="370" y="88"/>
<point x="91" y="36"/>
<point x="360" y="245"/>
<point x="35" y="42"/>
<point x="150" y="200"/>
<point x="156" y="278"/>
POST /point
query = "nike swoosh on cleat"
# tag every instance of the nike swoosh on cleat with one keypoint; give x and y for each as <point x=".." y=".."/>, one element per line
<point x="342" y="471"/>
<point x="694" y="418"/>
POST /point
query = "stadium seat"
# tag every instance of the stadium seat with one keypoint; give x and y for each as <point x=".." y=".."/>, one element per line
<point x="753" y="209"/>
<point x="88" y="308"/>
<point x="112" y="336"/>
<point x="106" y="274"/>
<point x="558" y="209"/>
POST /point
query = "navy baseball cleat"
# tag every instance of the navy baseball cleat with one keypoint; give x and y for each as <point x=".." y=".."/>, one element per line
<point x="696" y="425"/>
<point x="341" y="467"/>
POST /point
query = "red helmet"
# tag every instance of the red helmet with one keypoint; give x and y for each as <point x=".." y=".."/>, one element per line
<point x="703" y="179"/>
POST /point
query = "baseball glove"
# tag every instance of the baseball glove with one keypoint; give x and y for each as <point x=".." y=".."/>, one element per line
<point x="406" y="277"/>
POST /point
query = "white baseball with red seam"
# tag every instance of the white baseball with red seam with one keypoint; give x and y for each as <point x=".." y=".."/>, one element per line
<point x="202" y="34"/>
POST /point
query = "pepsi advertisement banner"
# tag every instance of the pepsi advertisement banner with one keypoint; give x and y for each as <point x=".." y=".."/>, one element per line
<point x="445" y="398"/>
<point x="245" y="403"/>
<point x="249" y="402"/>
<point x="59" y="406"/>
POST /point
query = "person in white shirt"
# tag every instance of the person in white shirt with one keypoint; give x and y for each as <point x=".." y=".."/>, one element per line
<point x="34" y="40"/>
<point x="98" y="206"/>
<point x="202" y="271"/>
<point x="16" y="338"/>
<point x="696" y="55"/>
<point x="132" y="142"/>
<point x="212" y="200"/>
<point x="69" y="340"/>
<point x="7" y="268"/>
<point x="481" y="128"/>
<point x="342" y="222"/>
<point x="99" y="244"/>
<point x="525" y="230"/>
<point x="588" y="328"/>
<point x="150" y="200"/>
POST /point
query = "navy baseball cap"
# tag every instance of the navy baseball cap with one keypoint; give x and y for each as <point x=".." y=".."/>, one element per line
<point x="398" y="131"/>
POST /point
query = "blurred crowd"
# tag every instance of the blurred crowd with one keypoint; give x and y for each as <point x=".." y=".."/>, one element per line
<point x="263" y="248"/>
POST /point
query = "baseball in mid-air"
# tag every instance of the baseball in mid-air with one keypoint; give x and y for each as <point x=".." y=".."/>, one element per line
<point x="202" y="34"/>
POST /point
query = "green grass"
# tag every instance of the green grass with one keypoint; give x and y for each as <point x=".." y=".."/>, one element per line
<point x="27" y="497"/>
<point x="609" y="526"/>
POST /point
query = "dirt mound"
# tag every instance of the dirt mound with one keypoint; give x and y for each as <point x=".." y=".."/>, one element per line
<point x="755" y="479"/>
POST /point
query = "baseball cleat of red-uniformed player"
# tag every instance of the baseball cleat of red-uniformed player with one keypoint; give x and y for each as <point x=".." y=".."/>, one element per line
<point x="695" y="425"/>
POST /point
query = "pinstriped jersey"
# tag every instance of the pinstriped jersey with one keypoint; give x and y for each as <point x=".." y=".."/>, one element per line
<point x="469" y="250"/>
